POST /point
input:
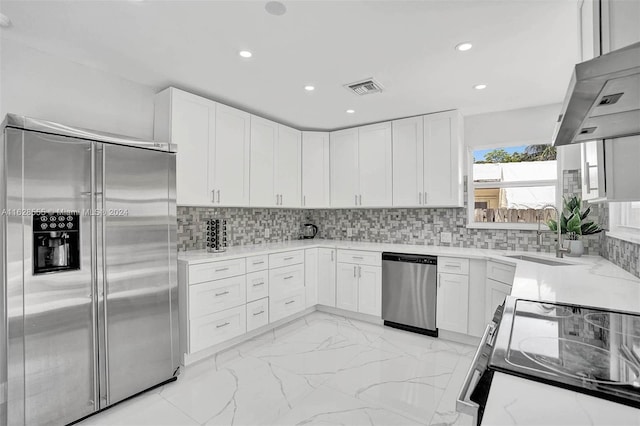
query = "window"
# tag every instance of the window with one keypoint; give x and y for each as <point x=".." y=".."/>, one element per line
<point x="624" y="221"/>
<point x="509" y="185"/>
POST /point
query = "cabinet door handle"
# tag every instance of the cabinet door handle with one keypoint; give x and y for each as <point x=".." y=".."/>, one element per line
<point x="355" y="196"/>
<point x="452" y="265"/>
<point x="354" y="272"/>
<point x="260" y="262"/>
<point x="304" y="200"/>
<point x="222" y="325"/>
<point x="288" y="258"/>
<point x="218" y="196"/>
<point x="439" y="281"/>
<point x="360" y="199"/>
<point x="258" y="313"/>
<point x="289" y="302"/>
<point x="222" y="269"/>
<point x="258" y="284"/>
<point x="281" y="197"/>
<point x="222" y="294"/>
<point x="357" y="257"/>
<point x="288" y="277"/>
<point x="213" y="195"/>
<point x="359" y="271"/>
<point x="420" y="198"/>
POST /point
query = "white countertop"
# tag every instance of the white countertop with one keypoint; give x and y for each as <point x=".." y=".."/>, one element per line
<point x="588" y="280"/>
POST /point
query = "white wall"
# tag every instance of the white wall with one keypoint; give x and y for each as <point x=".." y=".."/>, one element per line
<point x="526" y="126"/>
<point x="37" y="84"/>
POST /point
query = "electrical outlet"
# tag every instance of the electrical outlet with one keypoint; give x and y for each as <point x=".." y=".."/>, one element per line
<point x="349" y="232"/>
<point x="445" y="237"/>
<point x="267" y="232"/>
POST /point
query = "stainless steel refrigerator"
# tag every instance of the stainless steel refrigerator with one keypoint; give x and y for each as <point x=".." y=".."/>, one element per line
<point x="89" y="296"/>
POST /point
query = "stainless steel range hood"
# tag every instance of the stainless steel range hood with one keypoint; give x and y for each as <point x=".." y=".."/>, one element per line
<point x="603" y="100"/>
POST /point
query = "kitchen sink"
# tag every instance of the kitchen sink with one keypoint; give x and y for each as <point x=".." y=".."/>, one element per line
<point x="541" y="260"/>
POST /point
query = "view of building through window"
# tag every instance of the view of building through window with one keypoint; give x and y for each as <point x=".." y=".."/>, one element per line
<point x="510" y="185"/>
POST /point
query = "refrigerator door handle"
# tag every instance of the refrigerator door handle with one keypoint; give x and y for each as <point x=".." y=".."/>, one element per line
<point x="94" y="280"/>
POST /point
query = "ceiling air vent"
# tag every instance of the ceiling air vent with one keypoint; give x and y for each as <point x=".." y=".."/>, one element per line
<point x="365" y="87"/>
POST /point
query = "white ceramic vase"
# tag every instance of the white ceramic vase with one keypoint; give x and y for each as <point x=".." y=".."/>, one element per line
<point x="576" y="246"/>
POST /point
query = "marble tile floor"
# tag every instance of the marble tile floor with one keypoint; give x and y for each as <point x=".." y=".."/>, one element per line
<point x="320" y="369"/>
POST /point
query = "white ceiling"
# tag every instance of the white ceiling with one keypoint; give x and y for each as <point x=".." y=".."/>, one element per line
<point x="523" y="50"/>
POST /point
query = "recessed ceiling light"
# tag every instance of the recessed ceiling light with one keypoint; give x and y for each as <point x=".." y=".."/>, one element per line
<point x="463" y="47"/>
<point x="480" y="86"/>
<point x="245" y="54"/>
<point x="350" y="111"/>
<point x="309" y="88"/>
<point x="275" y="8"/>
<point x="5" y="22"/>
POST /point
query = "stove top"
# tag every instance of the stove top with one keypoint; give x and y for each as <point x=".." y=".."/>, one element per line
<point x="580" y="348"/>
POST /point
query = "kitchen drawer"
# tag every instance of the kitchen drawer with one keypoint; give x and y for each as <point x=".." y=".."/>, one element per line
<point x="282" y="308"/>
<point x="257" y="313"/>
<point x="216" y="328"/>
<point x="453" y="265"/>
<point x="215" y="296"/>
<point x="216" y="270"/>
<point x="257" y="263"/>
<point x="500" y="272"/>
<point x="284" y="281"/>
<point x="371" y="258"/>
<point x="257" y="285"/>
<point x="286" y="258"/>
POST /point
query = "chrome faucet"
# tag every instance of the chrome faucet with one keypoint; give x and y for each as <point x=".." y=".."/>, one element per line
<point x="560" y="250"/>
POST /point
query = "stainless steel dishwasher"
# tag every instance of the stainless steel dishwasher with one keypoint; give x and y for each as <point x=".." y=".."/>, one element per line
<point x="409" y="284"/>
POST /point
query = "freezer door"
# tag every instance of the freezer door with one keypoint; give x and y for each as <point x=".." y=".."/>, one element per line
<point x="138" y="271"/>
<point x="51" y="358"/>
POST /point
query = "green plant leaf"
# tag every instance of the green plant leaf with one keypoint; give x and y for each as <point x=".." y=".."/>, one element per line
<point x="584" y="215"/>
<point x="573" y="224"/>
<point x="553" y="225"/>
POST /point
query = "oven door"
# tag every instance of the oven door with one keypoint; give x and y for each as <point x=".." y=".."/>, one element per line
<point x="475" y="389"/>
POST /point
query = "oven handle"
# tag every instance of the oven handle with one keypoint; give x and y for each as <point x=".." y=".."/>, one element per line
<point x="463" y="404"/>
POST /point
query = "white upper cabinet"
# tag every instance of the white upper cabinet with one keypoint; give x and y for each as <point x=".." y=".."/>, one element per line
<point x="229" y="176"/>
<point x="288" y="168"/>
<point x="184" y="119"/>
<point x="408" y="162"/>
<point x="374" y="159"/>
<point x="443" y="184"/>
<point x="315" y="169"/>
<point x="344" y="168"/>
<point x="264" y="140"/>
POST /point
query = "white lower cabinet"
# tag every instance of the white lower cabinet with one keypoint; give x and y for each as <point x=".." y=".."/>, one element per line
<point x="311" y="277"/>
<point x="215" y="328"/>
<point x="257" y="313"/>
<point x="214" y="296"/>
<point x="286" y="280"/>
<point x="257" y="285"/>
<point x="452" y="302"/>
<point x="370" y="290"/>
<point x="327" y="277"/>
<point x="286" y="306"/>
<point x="347" y="287"/>
<point x="495" y="293"/>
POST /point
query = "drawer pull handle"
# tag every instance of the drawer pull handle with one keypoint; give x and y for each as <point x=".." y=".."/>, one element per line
<point x="258" y="284"/>
<point x="452" y="265"/>
<point x="288" y="258"/>
<point x="222" y="269"/>
<point x="258" y="263"/>
<point x="222" y="325"/>
<point x="289" y="302"/>
<point x="258" y="313"/>
<point x="222" y="294"/>
<point x="358" y="257"/>
<point x="288" y="277"/>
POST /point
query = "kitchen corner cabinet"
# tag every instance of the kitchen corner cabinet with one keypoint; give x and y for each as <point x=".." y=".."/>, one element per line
<point x="427" y="161"/>
<point x="315" y="170"/>
<point x="452" y="305"/>
<point x="275" y="164"/>
<point x="327" y="277"/>
<point x="361" y="174"/>
<point x="212" y="164"/>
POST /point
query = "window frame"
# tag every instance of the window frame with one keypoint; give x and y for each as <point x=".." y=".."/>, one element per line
<point x="506" y="225"/>
<point x="616" y="227"/>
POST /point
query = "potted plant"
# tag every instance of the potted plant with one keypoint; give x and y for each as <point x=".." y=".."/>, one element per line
<point x="574" y="223"/>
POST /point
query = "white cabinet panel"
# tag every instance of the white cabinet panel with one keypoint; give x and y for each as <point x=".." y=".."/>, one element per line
<point x="216" y="270"/>
<point x="344" y="168"/>
<point x="443" y="159"/>
<point x="370" y="290"/>
<point x="327" y="277"/>
<point x="408" y="162"/>
<point x="287" y="166"/>
<point x="452" y="302"/>
<point x="264" y="140"/>
<point x="286" y="258"/>
<point x="311" y="277"/>
<point x="257" y="285"/>
<point x="257" y="263"/>
<point x="315" y="169"/>
<point x="453" y="265"/>
<point x="495" y="294"/>
<point x="229" y="158"/>
<point x="286" y="306"/>
<point x="500" y="272"/>
<point x="257" y="314"/>
<point x="374" y="160"/>
<point x="214" y="296"/>
<point x="347" y="287"/>
<point x="360" y="257"/>
<point x="286" y="280"/>
<point x="216" y="328"/>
